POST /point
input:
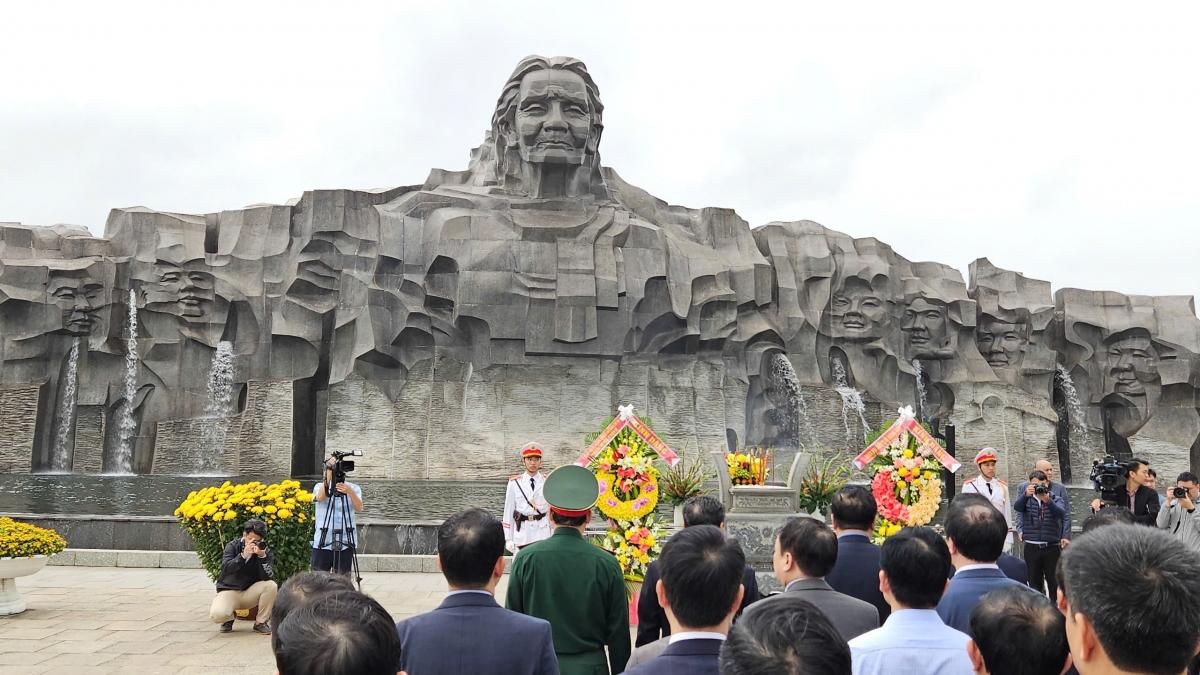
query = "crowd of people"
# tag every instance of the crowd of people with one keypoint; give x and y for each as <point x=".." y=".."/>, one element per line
<point x="1120" y="597"/>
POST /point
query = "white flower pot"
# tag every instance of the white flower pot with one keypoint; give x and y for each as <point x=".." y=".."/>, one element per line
<point x="678" y="519"/>
<point x="10" y="568"/>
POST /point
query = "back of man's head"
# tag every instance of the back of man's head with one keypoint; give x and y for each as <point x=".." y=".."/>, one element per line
<point x="785" y="636"/>
<point x="812" y="545"/>
<point x="1139" y="588"/>
<point x="967" y="498"/>
<point x="703" y="510"/>
<point x="469" y="544"/>
<point x="916" y="562"/>
<point x="1109" y="515"/>
<point x="978" y="531"/>
<point x="305" y="587"/>
<point x="701" y="570"/>
<point x="338" y="633"/>
<point x="853" y="508"/>
<point x="1018" y="632"/>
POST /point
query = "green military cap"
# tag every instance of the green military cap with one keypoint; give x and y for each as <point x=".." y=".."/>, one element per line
<point x="571" y="490"/>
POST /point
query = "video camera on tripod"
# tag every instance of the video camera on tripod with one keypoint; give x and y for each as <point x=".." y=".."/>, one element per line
<point x="340" y="466"/>
<point x="337" y="529"/>
<point x="1108" y="477"/>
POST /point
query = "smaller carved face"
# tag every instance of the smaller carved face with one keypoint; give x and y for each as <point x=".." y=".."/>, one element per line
<point x="553" y="117"/>
<point x="1131" y="364"/>
<point x="1002" y="344"/>
<point x="858" y="312"/>
<point x="187" y="293"/>
<point x="79" y="298"/>
<point x="925" y="324"/>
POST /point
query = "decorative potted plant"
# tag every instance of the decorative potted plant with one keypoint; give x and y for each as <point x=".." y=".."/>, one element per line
<point x="821" y="483"/>
<point x="24" y="550"/>
<point x="684" y="481"/>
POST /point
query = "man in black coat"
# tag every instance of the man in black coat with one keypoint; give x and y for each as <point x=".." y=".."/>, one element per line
<point x="1141" y="500"/>
<point x="856" y="572"/>
<point x="469" y="633"/>
<point x="652" y="620"/>
<point x="245" y="580"/>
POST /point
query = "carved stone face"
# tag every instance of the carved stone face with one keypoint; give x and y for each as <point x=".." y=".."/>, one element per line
<point x="187" y="293"/>
<point x="1131" y="364"/>
<point x="79" y="298"/>
<point x="553" y="118"/>
<point x="926" y="325"/>
<point x="858" y="312"/>
<point x="1002" y="344"/>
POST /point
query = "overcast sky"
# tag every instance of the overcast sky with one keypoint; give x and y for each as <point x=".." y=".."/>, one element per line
<point x="1060" y="140"/>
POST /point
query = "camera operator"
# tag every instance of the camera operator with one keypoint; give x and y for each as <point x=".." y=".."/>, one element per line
<point x="245" y="580"/>
<point x="1142" y="501"/>
<point x="329" y="511"/>
<point x="1179" y="518"/>
<point x="1042" y="515"/>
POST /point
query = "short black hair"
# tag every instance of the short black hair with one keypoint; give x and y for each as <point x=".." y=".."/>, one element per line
<point x="1020" y="632"/>
<point x="1111" y="515"/>
<point x="965" y="498"/>
<point x="1133" y="464"/>
<point x="854" y="508"/>
<point x="303" y="587"/>
<point x="1153" y="473"/>
<point x="813" y="546"/>
<point x="978" y="531"/>
<point x="701" y="570"/>
<point x="568" y="521"/>
<point x="703" y="510"/>
<point x="1188" y="477"/>
<point x="469" y="543"/>
<point x="342" y="632"/>
<point x="784" y="635"/>
<point x="1139" y="587"/>
<point x="917" y="563"/>
<point x="1040" y="475"/>
<point x="256" y="526"/>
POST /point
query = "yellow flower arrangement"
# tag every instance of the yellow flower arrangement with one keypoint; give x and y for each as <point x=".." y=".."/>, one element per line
<point x="213" y="516"/>
<point x="613" y="506"/>
<point x="22" y="540"/>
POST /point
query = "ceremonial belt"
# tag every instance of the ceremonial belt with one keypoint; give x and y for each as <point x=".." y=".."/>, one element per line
<point x="519" y="517"/>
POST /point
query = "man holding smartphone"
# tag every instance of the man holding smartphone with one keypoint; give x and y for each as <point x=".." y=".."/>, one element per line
<point x="1178" y="516"/>
<point x="245" y="580"/>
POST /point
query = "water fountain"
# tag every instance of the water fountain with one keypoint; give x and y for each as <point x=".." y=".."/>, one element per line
<point x="851" y="401"/>
<point x="1075" y="408"/>
<point x="216" y="412"/>
<point x="126" y="426"/>
<point x="64" y="442"/>
<point x="922" y="395"/>
<point x="785" y="379"/>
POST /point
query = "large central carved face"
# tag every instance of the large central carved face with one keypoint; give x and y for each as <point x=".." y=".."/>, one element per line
<point x="926" y="325"/>
<point x="553" y="118"/>
<point x="1131" y="364"/>
<point x="78" y="298"/>
<point x="184" y="291"/>
<point x="1002" y="344"/>
<point x="858" y="312"/>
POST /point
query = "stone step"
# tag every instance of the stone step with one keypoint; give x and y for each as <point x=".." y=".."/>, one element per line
<point x="91" y="557"/>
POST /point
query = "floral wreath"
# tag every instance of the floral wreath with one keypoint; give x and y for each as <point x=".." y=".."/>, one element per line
<point x="907" y="485"/>
<point x="628" y="479"/>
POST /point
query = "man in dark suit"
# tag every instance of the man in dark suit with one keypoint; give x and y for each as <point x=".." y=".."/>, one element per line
<point x="1012" y="566"/>
<point x="856" y="572"/>
<point x="700" y="590"/>
<point x="1140" y="499"/>
<point x="469" y="632"/>
<point x="652" y="621"/>
<point x="975" y="533"/>
<point x="805" y="551"/>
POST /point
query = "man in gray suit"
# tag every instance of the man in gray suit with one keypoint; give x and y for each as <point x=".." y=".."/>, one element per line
<point x="805" y="551"/>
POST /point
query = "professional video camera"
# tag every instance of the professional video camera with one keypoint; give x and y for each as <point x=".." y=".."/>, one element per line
<point x="342" y="466"/>
<point x="1108" y="476"/>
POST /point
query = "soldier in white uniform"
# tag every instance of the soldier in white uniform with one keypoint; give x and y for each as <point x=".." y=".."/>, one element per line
<point x="525" y="510"/>
<point x="988" y="485"/>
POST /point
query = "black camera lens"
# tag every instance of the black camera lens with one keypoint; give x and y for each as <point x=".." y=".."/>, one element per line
<point x="1180" y="492"/>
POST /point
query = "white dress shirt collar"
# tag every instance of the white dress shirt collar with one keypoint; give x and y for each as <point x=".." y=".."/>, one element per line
<point x="977" y="566"/>
<point x="695" y="635"/>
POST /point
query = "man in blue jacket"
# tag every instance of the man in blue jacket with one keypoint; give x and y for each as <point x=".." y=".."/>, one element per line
<point x="469" y="633"/>
<point x="975" y="534"/>
<point x="1042" y="515"/>
<point x="856" y="572"/>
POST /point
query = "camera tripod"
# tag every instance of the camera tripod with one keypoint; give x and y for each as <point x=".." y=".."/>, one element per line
<point x="343" y="536"/>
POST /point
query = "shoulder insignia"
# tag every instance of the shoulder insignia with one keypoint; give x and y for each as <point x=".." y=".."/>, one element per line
<point x="515" y="477"/>
<point x="1002" y="481"/>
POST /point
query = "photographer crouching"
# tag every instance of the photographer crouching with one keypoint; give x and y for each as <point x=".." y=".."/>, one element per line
<point x="245" y="580"/>
<point x="337" y="501"/>
<point x="1179" y="517"/>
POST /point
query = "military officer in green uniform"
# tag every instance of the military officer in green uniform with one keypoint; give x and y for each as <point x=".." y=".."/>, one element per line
<point x="576" y="586"/>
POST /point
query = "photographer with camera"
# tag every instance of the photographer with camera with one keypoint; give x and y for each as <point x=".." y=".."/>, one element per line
<point x="1042" y="516"/>
<point x="245" y="580"/>
<point x="337" y="501"/>
<point x="1142" y="501"/>
<point x="1179" y="518"/>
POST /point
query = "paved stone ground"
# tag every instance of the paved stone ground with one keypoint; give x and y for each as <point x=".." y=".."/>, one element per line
<point x="155" y="622"/>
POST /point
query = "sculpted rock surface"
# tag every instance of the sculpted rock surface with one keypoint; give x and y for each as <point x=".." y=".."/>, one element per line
<point x="438" y="326"/>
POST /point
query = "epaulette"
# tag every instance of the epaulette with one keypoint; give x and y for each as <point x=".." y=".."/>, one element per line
<point x="1002" y="482"/>
<point x="515" y="477"/>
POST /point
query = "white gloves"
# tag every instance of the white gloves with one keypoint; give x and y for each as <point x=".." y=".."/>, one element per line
<point x="512" y="548"/>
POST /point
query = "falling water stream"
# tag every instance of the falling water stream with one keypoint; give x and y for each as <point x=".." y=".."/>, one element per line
<point x="216" y="412"/>
<point x="922" y="395"/>
<point x="64" y="441"/>
<point x="126" y="427"/>
<point x="1078" y="425"/>
<point x="851" y="402"/>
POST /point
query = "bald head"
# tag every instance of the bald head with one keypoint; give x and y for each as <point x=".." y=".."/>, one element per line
<point x="1045" y="467"/>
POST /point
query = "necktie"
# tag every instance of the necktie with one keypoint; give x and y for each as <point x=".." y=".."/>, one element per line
<point x="989" y="488"/>
<point x="531" y="485"/>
